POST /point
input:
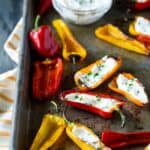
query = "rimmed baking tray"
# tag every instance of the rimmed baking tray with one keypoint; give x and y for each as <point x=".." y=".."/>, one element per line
<point x="28" y="112"/>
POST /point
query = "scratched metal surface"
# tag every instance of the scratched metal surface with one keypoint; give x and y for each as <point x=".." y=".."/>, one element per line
<point x="29" y="112"/>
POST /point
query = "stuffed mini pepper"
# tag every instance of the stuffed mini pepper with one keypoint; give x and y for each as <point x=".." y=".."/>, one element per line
<point x="141" y="29"/>
<point x="96" y="73"/>
<point x="84" y="137"/>
<point x="130" y="87"/>
<point x="101" y="104"/>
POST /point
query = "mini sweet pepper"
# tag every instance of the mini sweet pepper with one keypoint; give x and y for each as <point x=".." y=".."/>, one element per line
<point x="47" y="78"/>
<point x="95" y="74"/>
<point x="43" y="40"/>
<point x="44" y="6"/>
<point x="117" y="140"/>
<point x="71" y="48"/>
<point x="115" y="36"/>
<point x="101" y="104"/>
<point x="140" y="4"/>
<point x="52" y="127"/>
<point x="84" y="137"/>
<point x="147" y="147"/>
<point x="130" y="87"/>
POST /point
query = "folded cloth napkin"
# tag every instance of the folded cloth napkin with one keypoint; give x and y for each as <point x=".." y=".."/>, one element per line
<point x="7" y="97"/>
<point x="8" y="86"/>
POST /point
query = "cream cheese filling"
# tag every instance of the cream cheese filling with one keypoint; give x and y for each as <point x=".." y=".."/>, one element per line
<point x="98" y="72"/>
<point x="142" y="26"/>
<point x="106" y="104"/>
<point x="133" y="87"/>
<point x="86" y="136"/>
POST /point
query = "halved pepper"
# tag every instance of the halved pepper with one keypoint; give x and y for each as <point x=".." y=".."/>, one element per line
<point x="84" y="137"/>
<point x="115" y="36"/>
<point x="147" y="147"/>
<point x="96" y="73"/>
<point x="137" y="27"/>
<point x="130" y="87"/>
<point x="71" y="48"/>
<point x="119" y="140"/>
<point x="140" y="4"/>
<point x="101" y="104"/>
<point x="47" y="77"/>
<point x="52" y="127"/>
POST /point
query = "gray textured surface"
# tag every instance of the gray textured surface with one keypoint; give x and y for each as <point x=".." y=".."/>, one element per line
<point x="10" y="12"/>
<point x="29" y="112"/>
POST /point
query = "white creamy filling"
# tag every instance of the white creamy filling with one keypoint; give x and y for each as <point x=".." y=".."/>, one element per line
<point x="86" y="136"/>
<point x="98" y="72"/>
<point x="133" y="87"/>
<point x="86" y="4"/>
<point x="106" y="104"/>
<point x="142" y="25"/>
<point x="141" y="1"/>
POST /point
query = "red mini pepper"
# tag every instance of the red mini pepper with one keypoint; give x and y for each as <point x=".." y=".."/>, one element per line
<point x="43" y="6"/>
<point x="101" y="104"/>
<point x="43" y="40"/>
<point x="47" y="77"/>
<point x="120" y="140"/>
<point x="136" y="4"/>
<point x="144" y="39"/>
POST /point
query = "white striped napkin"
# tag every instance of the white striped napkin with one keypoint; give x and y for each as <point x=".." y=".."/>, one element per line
<point x="8" y="86"/>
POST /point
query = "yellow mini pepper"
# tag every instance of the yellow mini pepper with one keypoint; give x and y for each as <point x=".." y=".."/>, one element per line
<point x="132" y="28"/>
<point x="81" y="140"/>
<point x="52" y="127"/>
<point x="113" y="35"/>
<point x="147" y="147"/>
<point x="70" y="46"/>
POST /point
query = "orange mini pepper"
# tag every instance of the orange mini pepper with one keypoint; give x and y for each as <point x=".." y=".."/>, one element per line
<point x="97" y="73"/>
<point x="127" y="93"/>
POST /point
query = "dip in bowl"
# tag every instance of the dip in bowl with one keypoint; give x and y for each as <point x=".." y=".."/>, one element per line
<point x="82" y="12"/>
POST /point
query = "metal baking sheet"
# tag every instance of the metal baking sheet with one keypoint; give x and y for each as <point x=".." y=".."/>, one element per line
<point x="28" y="112"/>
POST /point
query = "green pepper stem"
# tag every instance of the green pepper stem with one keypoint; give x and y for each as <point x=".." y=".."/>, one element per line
<point x="55" y="106"/>
<point x="122" y="116"/>
<point x="66" y="120"/>
<point x="36" y="24"/>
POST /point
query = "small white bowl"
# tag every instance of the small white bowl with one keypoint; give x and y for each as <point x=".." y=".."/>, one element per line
<point x="81" y="16"/>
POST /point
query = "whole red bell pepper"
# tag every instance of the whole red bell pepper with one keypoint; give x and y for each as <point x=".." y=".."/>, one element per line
<point x="119" y="140"/>
<point x="43" y="6"/>
<point x="140" y="5"/>
<point x="101" y="104"/>
<point x="47" y="77"/>
<point x="43" y="40"/>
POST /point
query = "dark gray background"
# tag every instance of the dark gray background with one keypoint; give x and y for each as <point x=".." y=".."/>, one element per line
<point x="10" y="12"/>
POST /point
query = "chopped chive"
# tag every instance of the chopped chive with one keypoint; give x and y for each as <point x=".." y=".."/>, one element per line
<point x="96" y="74"/>
<point x="89" y="73"/>
<point x="76" y="96"/>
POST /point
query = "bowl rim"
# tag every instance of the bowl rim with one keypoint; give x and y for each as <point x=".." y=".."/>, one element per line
<point x="55" y="2"/>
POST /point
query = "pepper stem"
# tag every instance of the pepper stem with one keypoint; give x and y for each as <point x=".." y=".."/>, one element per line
<point x="36" y="23"/>
<point x="55" y="106"/>
<point x="64" y="116"/>
<point x="122" y="116"/>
